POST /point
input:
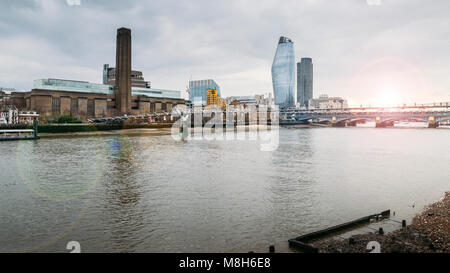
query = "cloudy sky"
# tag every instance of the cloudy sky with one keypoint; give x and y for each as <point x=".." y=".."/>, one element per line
<point x="368" y="51"/>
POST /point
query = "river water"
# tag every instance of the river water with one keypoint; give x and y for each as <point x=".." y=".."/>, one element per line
<point x="122" y="193"/>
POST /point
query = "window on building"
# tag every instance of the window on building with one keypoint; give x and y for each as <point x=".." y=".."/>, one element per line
<point x="91" y="108"/>
<point x="152" y="107"/>
<point x="163" y="106"/>
<point x="56" y="105"/>
<point x="74" y="106"/>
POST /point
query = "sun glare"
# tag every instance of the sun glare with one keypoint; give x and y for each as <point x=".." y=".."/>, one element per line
<point x="388" y="97"/>
<point x="388" y="81"/>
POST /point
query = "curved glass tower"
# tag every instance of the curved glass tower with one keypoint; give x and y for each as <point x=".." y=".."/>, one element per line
<point x="283" y="73"/>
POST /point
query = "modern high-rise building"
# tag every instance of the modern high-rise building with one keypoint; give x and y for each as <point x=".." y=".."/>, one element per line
<point x="304" y="81"/>
<point x="198" y="90"/>
<point x="283" y="73"/>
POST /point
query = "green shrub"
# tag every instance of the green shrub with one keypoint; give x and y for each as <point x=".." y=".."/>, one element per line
<point x="68" y="119"/>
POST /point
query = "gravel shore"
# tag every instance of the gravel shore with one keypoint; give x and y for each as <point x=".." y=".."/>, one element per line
<point x="428" y="233"/>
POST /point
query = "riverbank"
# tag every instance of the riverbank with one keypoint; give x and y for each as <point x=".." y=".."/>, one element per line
<point x="86" y="127"/>
<point x="134" y="130"/>
<point x="429" y="232"/>
<point x="127" y="132"/>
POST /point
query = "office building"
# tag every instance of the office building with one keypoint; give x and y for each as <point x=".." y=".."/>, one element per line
<point x="304" y="81"/>
<point x="283" y="74"/>
<point x="198" y="88"/>
<point x="212" y="98"/>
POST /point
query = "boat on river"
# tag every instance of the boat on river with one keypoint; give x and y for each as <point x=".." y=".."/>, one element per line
<point x="15" y="134"/>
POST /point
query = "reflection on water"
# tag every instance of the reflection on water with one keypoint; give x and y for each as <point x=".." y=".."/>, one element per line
<point x="153" y="194"/>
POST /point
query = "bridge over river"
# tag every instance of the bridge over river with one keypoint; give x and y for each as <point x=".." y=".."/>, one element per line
<point x="434" y="114"/>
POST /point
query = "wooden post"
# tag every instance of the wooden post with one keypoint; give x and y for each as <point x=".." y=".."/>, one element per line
<point x="35" y="127"/>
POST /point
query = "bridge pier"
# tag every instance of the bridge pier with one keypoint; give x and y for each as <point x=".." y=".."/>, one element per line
<point x="335" y="123"/>
<point x="352" y="123"/>
<point x="338" y="125"/>
<point x="432" y="123"/>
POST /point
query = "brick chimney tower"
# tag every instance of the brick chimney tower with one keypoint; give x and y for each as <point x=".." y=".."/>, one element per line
<point x="123" y="71"/>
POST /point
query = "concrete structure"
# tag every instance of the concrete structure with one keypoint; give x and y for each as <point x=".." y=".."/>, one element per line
<point x="283" y="74"/>
<point x="54" y="97"/>
<point x="325" y="102"/>
<point x="304" y="82"/>
<point x="198" y="88"/>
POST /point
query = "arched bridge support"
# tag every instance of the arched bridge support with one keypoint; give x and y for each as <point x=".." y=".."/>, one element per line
<point x="379" y="123"/>
<point x="355" y="122"/>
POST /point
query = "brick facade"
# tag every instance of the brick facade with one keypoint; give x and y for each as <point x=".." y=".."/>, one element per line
<point x="41" y="101"/>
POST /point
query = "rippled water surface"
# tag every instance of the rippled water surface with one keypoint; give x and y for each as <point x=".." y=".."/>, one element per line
<point x="153" y="194"/>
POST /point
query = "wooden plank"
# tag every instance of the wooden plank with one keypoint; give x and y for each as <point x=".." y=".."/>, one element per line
<point x="303" y="246"/>
<point x="302" y="241"/>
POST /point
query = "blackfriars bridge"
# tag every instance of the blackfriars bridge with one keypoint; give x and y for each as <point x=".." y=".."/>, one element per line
<point x="434" y="114"/>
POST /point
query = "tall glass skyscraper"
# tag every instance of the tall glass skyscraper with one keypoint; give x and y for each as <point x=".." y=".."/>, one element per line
<point x="304" y="81"/>
<point x="283" y="73"/>
<point x="198" y="90"/>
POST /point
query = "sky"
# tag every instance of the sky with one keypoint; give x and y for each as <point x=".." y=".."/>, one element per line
<point x="367" y="51"/>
